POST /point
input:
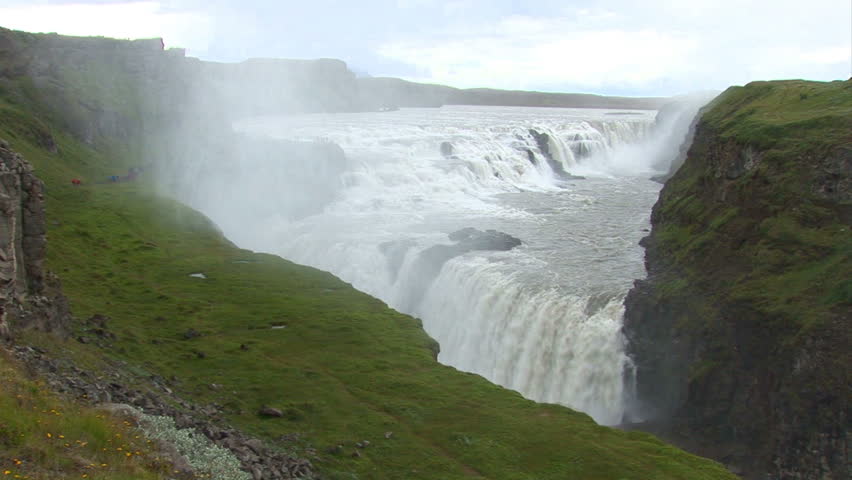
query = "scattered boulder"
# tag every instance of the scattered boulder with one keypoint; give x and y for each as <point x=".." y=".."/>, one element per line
<point x="267" y="411"/>
<point x="97" y="325"/>
<point x="115" y="396"/>
<point x="190" y="334"/>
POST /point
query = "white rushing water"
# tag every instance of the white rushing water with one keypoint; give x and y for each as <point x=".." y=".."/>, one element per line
<point x="543" y="318"/>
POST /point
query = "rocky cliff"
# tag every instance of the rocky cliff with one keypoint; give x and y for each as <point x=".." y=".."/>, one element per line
<point x="29" y="297"/>
<point x="741" y="332"/>
<point x="103" y="89"/>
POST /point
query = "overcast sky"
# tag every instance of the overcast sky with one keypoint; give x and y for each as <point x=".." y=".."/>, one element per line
<point x="623" y="47"/>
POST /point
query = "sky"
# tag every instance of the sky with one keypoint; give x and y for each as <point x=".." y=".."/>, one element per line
<point x="615" y="47"/>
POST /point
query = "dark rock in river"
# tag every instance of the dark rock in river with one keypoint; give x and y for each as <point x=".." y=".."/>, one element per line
<point x="430" y="261"/>
<point x="473" y="239"/>
<point x="542" y="140"/>
<point x="467" y="240"/>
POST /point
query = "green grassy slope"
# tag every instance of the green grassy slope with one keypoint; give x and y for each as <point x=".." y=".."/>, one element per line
<point x="45" y="437"/>
<point x="781" y="230"/>
<point x="743" y="325"/>
<point x="344" y="368"/>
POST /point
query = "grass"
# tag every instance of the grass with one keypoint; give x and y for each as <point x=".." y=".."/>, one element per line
<point x="763" y="250"/>
<point x="770" y="239"/>
<point x="45" y="437"/>
<point x="345" y="368"/>
<point x="792" y="116"/>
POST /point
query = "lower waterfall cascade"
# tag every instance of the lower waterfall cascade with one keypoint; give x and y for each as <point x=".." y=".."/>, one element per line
<point x="542" y="318"/>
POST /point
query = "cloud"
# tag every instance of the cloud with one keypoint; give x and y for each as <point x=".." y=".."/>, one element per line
<point x="658" y="47"/>
<point x="653" y="47"/>
<point x="525" y="52"/>
<point x="134" y="19"/>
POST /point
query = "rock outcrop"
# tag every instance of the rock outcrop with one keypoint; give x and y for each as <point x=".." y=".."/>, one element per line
<point x="429" y="261"/>
<point x="153" y="397"/>
<point x="468" y="240"/>
<point x="29" y="297"/>
<point x="741" y="333"/>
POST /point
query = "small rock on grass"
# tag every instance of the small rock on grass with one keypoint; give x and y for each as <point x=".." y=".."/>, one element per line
<point x="270" y="412"/>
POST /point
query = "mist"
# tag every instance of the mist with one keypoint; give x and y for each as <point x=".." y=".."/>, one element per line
<point x="511" y="232"/>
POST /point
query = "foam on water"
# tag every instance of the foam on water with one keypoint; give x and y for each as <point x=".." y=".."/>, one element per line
<point x="544" y="318"/>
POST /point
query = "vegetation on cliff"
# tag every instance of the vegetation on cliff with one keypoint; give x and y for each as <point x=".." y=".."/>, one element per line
<point x="356" y="384"/>
<point x="45" y="437"/>
<point x="742" y="331"/>
<point x="768" y="196"/>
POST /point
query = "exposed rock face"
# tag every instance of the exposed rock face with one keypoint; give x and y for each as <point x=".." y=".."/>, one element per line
<point x="428" y="263"/>
<point x="467" y="240"/>
<point x="543" y="142"/>
<point x="29" y="298"/>
<point x="85" y="84"/>
<point x="741" y="333"/>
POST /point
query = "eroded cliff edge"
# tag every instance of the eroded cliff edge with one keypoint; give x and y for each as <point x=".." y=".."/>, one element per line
<point x="741" y="332"/>
<point x="30" y="297"/>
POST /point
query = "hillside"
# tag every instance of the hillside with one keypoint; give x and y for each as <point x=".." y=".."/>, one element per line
<point x="171" y="317"/>
<point x="741" y="333"/>
<point x="394" y="92"/>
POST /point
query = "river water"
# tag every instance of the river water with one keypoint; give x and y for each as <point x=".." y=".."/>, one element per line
<point x="543" y="318"/>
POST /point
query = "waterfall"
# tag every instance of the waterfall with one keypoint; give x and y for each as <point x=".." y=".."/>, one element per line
<point x="543" y="318"/>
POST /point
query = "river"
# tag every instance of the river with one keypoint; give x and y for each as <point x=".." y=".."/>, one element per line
<point x="543" y="318"/>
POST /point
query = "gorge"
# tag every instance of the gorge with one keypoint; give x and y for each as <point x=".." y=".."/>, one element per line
<point x="379" y="200"/>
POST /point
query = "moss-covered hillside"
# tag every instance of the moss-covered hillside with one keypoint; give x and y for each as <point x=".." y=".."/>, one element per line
<point x="742" y="331"/>
<point x="43" y="436"/>
<point x="238" y="331"/>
